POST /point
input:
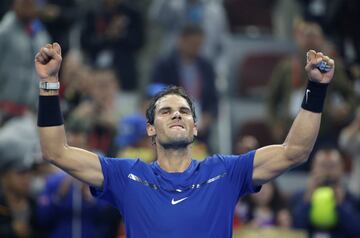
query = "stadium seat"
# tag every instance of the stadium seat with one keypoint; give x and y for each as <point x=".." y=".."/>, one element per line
<point x="254" y="73"/>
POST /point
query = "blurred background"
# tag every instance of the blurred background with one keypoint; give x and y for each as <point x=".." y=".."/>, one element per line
<point x="242" y="62"/>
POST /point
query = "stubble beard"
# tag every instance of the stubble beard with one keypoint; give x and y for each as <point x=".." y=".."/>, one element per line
<point x="177" y="144"/>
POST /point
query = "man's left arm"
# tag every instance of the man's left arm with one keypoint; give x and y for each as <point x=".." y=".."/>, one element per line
<point x="272" y="161"/>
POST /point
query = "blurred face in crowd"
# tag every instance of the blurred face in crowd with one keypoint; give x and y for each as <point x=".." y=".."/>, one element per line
<point x="77" y="138"/>
<point x="25" y="10"/>
<point x="174" y="125"/>
<point x="104" y="87"/>
<point x="75" y="75"/>
<point x="284" y="219"/>
<point x="245" y="144"/>
<point x="190" y="44"/>
<point x="309" y="36"/>
<point x="17" y="182"/>
<point x="328" y="166"/>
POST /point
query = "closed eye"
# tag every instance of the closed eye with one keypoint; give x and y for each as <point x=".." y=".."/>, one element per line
<point x="164" y="111"/>
<point x="168" y="110"/>
<point x="185" y="110"/>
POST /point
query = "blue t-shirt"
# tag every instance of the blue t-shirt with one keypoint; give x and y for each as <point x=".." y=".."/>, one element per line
<point x="198" y="202"/>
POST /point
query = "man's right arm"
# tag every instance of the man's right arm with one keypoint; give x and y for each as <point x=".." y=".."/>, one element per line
<point x="81" y="164"/>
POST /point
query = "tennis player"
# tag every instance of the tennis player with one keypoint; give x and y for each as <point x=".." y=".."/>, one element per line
<point x="176" y="196"/>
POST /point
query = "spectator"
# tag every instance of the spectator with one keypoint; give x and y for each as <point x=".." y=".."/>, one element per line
<point x="103" y="110"/>
<point x="264" y="209"/>
<point x="21" y="36"/>
<point x="288" y="81"/>
<point x="66" y="208"/>
<point x="326" y="207"/>
<point x="112" y="36"/>
<point x="355" y="75"/>
<point x="17" y="214"/>
<point x="339" y="20"/>
<point x="185" y="67"/>
<point x="133" y="140"/>
<point x="350" y="141"/>
<point x="173" y="15"/>
<point x="245" y="143"/>
<point x="59" y="17"/>
<point x="75" y="77"/>
<point x="320" y="12"/>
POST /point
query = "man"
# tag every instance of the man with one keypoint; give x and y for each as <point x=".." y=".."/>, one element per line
<point x="17" y="208"/>
<point x="185" y="67"/>
<point x="325" y="208"/>
<point x="171" y="15"/>
<point x="21" y="36"/>
<point x="111" y="36"/>
<point x="101" y="112"/>
<point x="349" y="141"/>
<point x="59" y="17"/>
<point x="176" y="196"/>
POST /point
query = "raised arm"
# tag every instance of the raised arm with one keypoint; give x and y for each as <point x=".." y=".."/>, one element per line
<point x="80" y="163"/>
<point x="271" y="161"/>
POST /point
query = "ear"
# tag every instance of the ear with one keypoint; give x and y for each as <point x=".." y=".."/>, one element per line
<point x="195" y="130"/>
<point x="150" y="129"/>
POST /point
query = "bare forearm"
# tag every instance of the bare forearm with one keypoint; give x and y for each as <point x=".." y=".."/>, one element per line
<point x="302" y="135"/>
<point x="53" y="142"/>
<point x="82" y="164"/>
<point x="271" y="161"/>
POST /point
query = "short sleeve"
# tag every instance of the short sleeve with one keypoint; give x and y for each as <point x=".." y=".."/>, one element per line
<point x="115" y="172"/>
<point x="240" y="169"/>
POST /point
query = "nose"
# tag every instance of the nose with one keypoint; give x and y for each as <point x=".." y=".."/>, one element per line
<point x="176" y="115"/>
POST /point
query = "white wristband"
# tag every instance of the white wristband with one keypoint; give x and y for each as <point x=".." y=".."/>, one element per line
<point x="49" y="86"/>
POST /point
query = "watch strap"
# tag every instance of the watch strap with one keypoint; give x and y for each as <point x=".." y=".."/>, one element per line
<point x="49" y="86"/>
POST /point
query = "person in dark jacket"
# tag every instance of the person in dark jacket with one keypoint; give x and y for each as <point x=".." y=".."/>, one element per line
<point x="326" y="208"/>
<point x="112" y="36"/>
<point x="186" y="68"/>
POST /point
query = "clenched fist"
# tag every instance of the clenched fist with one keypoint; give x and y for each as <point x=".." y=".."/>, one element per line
<point x="314" y="58"/>
<point x="48" y="61"/>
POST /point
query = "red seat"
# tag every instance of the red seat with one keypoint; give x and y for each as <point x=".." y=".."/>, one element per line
<point x="244" y="13"/>
<point x="257" y="128"/>
<point x="255" y="73"/>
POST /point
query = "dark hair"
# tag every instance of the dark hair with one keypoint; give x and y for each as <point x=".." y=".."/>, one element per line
<point x="170" y="90"/>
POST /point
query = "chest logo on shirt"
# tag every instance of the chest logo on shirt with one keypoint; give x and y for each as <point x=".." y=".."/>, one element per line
<point x="174" y="202"/>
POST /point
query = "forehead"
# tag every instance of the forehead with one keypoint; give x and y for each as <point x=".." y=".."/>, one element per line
<point x="327" y="158"/>
<point x="172" y="101"/>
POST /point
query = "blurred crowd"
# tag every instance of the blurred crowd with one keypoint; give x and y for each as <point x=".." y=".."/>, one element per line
<point x="117" y="54"/>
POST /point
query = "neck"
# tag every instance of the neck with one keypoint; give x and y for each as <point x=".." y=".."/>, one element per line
<point x="174" y="160"/>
